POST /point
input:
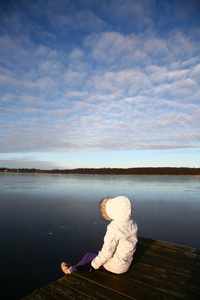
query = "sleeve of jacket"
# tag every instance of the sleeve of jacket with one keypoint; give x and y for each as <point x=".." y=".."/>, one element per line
<point x="108" y="248"/>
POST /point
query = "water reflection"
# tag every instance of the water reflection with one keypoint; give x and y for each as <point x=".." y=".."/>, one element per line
<point x="45" y="219"/>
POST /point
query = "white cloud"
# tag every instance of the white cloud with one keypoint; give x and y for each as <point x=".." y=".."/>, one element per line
<point x="162" y="74"/>
<point x="156" y="48"/>
<point x="76" y="54"/>
<point x="195" y="72"/>
<point x="181" y="45"/>
<point x="112" y="47"/>
<point x="76" y="94"/>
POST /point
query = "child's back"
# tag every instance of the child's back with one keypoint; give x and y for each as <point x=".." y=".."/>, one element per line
<point x="120" y="240"/>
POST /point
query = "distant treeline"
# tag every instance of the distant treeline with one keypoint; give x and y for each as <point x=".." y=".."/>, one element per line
<point x="113" y="171"/>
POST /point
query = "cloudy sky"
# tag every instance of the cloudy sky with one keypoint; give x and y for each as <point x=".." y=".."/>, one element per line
<point x="99" y="83"/>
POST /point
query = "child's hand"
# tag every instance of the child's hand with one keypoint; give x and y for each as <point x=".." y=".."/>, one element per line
<point x="85" y="268"/>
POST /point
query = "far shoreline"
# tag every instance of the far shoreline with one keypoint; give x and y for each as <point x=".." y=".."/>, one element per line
<point x="111" y="171"/>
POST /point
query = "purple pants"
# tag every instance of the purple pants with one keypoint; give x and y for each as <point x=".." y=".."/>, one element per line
<point x="86" y="259"/>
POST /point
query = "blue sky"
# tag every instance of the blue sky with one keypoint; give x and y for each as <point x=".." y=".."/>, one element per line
<point x="110" y="83"/>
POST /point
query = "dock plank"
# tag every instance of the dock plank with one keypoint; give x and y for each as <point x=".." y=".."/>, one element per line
<point x="61" y="292"/>
<point x="39" y="295"/>
<point x="130" y="290"/>
<point x="159" y="271"/>
<point x="89" y="287"/>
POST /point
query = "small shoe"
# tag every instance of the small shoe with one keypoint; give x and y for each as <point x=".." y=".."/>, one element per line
<point x="66" y="268"/>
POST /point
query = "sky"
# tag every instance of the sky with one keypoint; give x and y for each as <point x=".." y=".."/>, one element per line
<point x="99" y="83"/>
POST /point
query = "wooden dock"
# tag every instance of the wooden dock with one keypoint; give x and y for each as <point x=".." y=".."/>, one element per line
<point x="160" y="271"/>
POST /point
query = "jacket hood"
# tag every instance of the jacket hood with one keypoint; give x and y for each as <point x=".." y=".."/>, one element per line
<point x="119" y="209"/>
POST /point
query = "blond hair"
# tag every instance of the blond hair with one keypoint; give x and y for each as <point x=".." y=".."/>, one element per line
<point x="102" y="205"/>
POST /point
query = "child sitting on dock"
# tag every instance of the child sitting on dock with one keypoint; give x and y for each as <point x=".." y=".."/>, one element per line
<point x="120" y="240"/>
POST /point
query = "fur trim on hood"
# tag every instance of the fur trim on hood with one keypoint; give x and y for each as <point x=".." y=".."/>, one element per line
<point x="102" y="205"/>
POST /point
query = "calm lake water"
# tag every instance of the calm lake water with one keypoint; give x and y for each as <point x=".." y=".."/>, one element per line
<point x="46" y="219"/>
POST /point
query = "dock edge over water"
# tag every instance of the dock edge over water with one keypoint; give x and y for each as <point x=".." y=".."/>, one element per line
<point x="160" y="270"/>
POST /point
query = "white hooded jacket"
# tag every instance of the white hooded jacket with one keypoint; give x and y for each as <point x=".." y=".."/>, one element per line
<point x="120" y="239"/>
